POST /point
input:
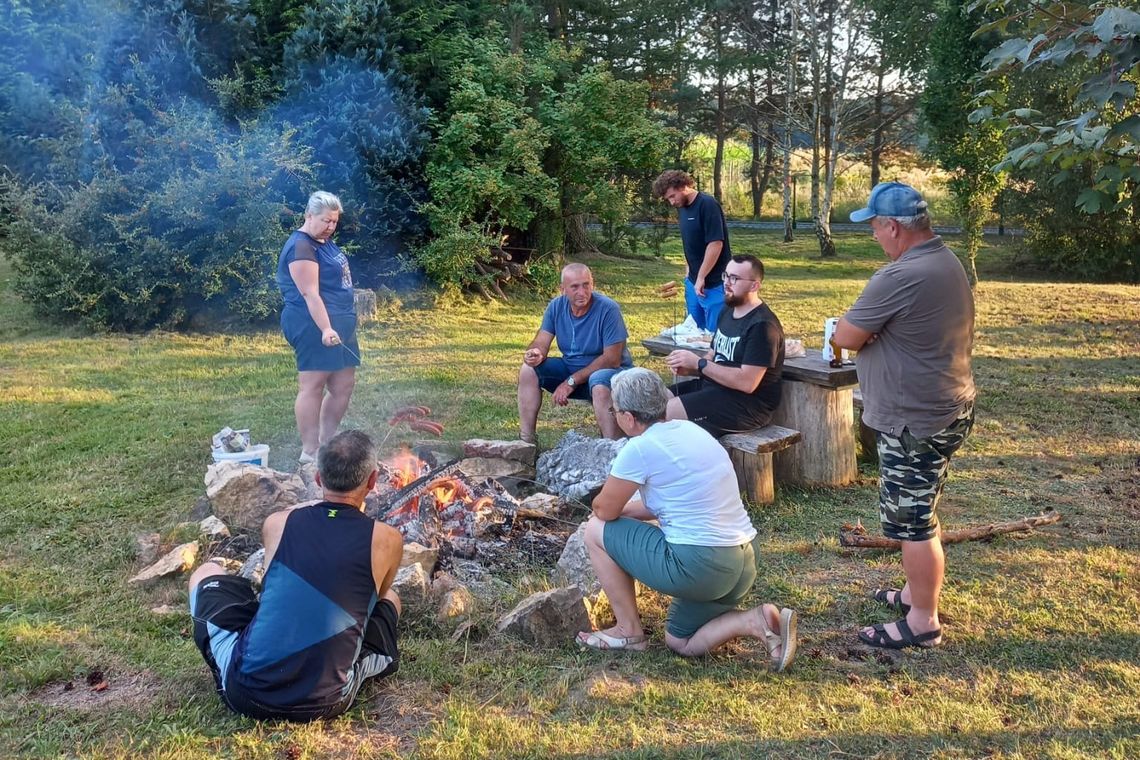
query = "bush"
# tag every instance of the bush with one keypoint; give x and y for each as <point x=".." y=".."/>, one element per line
<point x="193" y="230"/>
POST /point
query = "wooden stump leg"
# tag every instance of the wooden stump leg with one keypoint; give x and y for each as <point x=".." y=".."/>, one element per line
<point x="754" y="473"/>
<point x="826" y="454"/>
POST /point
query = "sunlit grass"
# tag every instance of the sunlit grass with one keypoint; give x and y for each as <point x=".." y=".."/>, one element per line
<point x="108" y="435"/>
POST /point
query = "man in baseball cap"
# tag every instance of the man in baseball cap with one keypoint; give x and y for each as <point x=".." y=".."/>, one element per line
<point x="913" y="327"/>
<point x="891" y="199"/>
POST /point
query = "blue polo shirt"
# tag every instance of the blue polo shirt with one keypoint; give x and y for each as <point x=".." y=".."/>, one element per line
<point x="582" y="339"/>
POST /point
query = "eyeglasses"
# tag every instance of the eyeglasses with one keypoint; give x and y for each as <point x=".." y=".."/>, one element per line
<point x="732" y="279"/>
<point x="615" y="412"/>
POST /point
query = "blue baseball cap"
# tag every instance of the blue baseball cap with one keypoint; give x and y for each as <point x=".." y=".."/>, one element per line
<point x="891" y="199"/>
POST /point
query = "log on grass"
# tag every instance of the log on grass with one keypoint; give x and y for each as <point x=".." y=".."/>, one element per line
<point x="857" y="537"/>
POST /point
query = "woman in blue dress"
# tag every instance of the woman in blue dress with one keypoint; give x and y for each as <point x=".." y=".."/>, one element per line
<point x="319" y="321"/>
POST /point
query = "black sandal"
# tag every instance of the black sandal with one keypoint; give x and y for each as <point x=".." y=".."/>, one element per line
<point x="882" y="595"/>
<point x="881" y="640"/>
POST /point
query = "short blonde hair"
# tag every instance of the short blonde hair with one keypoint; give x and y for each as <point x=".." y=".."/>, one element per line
<point x="323" y="201"/>
<point x="640" y="392"/>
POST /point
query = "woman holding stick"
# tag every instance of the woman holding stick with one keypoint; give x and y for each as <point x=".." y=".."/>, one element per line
<point x="319" y="321"/>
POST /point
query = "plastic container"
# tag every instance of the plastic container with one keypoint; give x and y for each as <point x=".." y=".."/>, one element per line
<point x="258" y="455"/>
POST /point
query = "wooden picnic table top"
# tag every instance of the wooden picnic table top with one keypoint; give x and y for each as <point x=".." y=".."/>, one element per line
<point x="808" y="369"/>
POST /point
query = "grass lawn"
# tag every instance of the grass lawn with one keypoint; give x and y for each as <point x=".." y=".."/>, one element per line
<point x="107" y="436"/>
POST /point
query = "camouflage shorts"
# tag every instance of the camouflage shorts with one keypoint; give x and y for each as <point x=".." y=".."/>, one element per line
<point x="912" y="473"/>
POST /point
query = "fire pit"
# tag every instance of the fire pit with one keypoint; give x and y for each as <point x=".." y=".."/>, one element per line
<point x="439" y="507"/>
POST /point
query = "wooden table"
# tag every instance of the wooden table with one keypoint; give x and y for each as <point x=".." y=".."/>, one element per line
<point x="817" y="401"/>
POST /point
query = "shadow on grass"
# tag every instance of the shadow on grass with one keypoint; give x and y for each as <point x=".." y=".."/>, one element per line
<point x="1116" y="739"/>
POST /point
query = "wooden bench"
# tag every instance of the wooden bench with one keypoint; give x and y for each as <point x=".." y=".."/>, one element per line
<point x="866" y="434"/>
<point x="751" y="454"/>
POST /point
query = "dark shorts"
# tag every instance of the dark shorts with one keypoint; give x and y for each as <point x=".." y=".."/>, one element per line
<point x="912" y="472"/>
<point x="704" y="581"/>
<point x="553" y="372"/>
<point x="222" y="607"/>
<point x="720" y="410"/>
<point x="305" y="338"/>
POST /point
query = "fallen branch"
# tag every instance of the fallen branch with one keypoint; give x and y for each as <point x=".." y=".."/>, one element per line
<point x="856" y="536"/>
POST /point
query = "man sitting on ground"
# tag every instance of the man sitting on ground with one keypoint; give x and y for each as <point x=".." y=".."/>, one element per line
<point x="739" y="378"/>
<point x="591" y="336"/>
<point x="327" y="617"/>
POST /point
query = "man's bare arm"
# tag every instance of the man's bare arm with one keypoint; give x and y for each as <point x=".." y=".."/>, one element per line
<point x="849" y="336"/>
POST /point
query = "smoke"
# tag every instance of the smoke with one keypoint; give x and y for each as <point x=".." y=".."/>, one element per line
<point x="176" y="127"/>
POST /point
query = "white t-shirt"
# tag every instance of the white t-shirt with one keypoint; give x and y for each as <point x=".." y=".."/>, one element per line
<point x="686" y="480"/>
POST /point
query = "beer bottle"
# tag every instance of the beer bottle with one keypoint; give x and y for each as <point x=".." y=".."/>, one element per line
<point x="836" y="354"/>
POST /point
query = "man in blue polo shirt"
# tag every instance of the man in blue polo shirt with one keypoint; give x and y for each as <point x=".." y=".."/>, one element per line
<point x="591" y="336"/>
<point x="704" y="236"/>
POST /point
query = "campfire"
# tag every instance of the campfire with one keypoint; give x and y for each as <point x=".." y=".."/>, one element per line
<point x="437" y="506"/>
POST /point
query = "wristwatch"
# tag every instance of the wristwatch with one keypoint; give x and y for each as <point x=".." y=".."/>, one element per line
<point x="701" y="364"/>
<point x="571" y="381"/>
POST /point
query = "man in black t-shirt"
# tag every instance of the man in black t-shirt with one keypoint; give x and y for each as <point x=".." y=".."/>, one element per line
<point x="704" y="238"/>
<point x="739" y="378"/>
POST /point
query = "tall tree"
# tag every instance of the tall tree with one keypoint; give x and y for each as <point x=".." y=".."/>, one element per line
<point x="967" y="150"/>
<point x="900" y="31"/>
<point x="1078" y="124"/>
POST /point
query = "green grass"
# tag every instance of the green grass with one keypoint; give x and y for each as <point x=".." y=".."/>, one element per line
<point x="107" y="435"/>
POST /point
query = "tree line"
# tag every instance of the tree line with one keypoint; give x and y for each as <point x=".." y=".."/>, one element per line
<point x="155" y="151"/>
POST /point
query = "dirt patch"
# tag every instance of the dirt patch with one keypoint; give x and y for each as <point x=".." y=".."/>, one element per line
<point x="616" y="687"/>
<point x="99" y="690"/>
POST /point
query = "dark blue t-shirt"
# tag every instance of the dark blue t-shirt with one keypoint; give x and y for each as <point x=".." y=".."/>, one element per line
<point x="702" y="222"/>
<point x="334" y="277"/>
<point x="582" y="339"/>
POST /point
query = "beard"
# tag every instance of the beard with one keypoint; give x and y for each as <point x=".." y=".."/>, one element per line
<point x="734" y="299"/>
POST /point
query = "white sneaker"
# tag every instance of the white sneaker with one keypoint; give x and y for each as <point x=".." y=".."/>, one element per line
<point x="306" y="458"/>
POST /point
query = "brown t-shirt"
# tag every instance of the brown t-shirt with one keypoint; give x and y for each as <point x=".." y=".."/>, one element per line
<point x="917" y="374"/>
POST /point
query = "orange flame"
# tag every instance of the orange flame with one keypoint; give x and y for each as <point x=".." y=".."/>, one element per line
<point x="403" y="467"/>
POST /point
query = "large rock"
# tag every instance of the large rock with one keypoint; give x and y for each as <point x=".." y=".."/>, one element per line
<point x="548" y="618"/>
<point x="518" y="451"/>
<point x="253" y="569"/>
<point x="508" y="473"/>
<point x="147" y="547"/>
<point x="578" y="465"/>
<point x="243" y="495"/>
<point x="412" y="583"/>
<point x="178" y="560"/>
<point x="419" y="554"/>
<point x="213" y="528"/>
<point x="364" y="303"/>
<point x="574" y="567"/>
<point x="307" y="472"/>
<point x="455" y="601"/>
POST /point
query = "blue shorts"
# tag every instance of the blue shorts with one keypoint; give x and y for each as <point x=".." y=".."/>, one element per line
<point x="704" y="581"/>
<point x="305" y="338"/>
<point x="704" y="309"/>
<point x="553" y="372"/>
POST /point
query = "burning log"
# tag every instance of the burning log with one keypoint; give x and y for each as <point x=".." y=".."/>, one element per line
<point x="856" y="536"/>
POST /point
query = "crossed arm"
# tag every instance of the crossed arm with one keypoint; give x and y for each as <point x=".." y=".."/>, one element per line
<point x="851" y="337"/>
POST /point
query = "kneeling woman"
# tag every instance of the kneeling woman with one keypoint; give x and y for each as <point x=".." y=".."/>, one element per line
<point x="704" y="553"/>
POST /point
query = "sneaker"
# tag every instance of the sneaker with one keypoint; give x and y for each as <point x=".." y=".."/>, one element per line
<point x="306" y="458"/>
